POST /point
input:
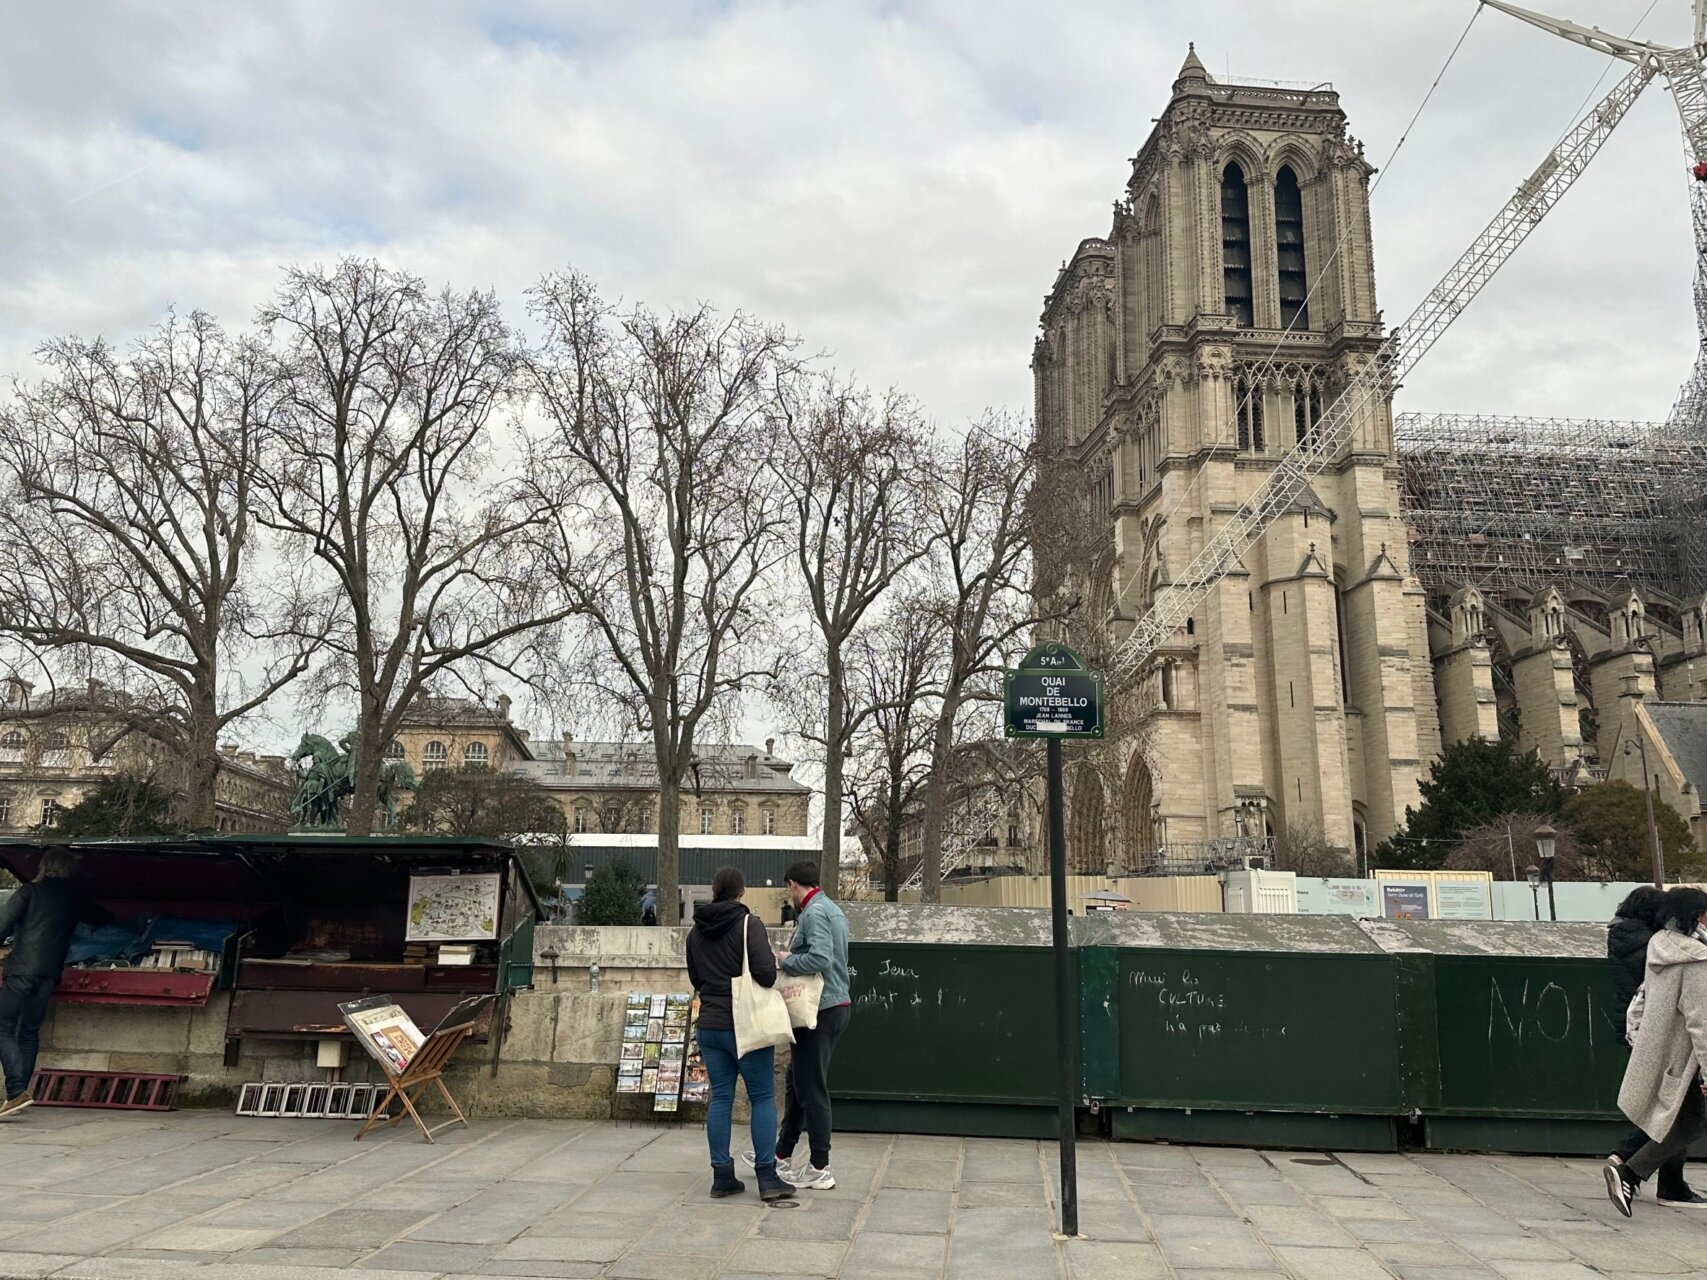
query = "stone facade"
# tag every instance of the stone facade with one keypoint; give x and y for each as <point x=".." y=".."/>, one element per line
<point x="55" y="747"/>
<point x="1179" y="359"/>
<point x="610" y="787"/>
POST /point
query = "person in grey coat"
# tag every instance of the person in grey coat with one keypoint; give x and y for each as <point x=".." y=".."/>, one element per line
<point x="1662" y="1093"/>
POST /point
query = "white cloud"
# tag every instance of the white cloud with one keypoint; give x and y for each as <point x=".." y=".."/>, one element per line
<point x="896" y="182"/>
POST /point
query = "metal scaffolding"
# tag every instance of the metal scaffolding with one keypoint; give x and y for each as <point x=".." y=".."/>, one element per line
<point x="1497" y="502"/>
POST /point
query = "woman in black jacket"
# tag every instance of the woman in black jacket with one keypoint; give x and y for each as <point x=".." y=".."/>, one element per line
<point x="1638" y="918"/>
<point x="723" y="929"/>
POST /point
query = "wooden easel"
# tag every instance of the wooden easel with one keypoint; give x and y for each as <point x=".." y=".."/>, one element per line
<point x="425" y="1068"/>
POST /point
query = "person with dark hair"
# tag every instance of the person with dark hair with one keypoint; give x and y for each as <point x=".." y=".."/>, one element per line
<point x="1638" y="918"/>
<point x="819" y="945"/>
<point x="39" y="919"/>
<point x="724" y="934"/>
<point x="1663" y="1085"/>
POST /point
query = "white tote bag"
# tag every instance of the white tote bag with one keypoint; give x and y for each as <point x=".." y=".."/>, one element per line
<point x="761" y="1017"/>
<point x="801" y="993"/>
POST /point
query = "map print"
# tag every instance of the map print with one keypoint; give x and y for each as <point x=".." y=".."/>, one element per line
<point x="453" y="908"/>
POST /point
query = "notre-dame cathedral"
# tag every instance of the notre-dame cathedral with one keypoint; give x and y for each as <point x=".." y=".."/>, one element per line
<point x="1180" y="356"/>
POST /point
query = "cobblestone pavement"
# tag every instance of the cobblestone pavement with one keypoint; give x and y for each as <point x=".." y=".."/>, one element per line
<point x="108" y="1196"/>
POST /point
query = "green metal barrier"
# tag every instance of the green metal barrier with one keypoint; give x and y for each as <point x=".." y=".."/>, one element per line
<point x="1258" y="1029"/>
<point x="1311" y="1031"/>
<point x="952" y="1027"/>
<point x="1527" y="1050"/>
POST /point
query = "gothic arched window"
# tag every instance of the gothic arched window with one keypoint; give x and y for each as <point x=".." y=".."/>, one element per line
<point x="1236" y="245"/>
<point x="1289" y="251"/>
<point x="1247" y="408"/>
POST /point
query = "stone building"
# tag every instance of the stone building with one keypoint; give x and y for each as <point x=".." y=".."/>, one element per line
<point x="1180" y="357"/>
<point x="56" y="745"/>
<point x="610" y="787"/>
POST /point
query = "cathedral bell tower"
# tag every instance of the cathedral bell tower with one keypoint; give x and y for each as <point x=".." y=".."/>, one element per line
<point x="1180" y="357"/>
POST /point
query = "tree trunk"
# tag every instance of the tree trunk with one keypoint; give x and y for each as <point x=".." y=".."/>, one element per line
<point x="201" y="767"/>
<point x="892" y="860"/>
<point x="669" y="843"/>
<point x="936" y="800"/>
<point x="370" y="752"/>
<point x="835" y="717"/>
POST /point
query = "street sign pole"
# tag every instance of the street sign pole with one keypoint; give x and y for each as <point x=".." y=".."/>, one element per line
<point x="1051" y="695"/>
<point x="1063" y="996"/>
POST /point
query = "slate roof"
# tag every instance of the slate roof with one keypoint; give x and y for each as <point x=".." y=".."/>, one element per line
<point x="1683" y="726"/>
<point x="723" y="766"/>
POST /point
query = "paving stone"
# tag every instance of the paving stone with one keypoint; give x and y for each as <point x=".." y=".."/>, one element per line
<point x="1424" y="1254"/>
<point x="1113" y="1222"/>
<point x="661" y="1266"/>
<point x="1331" y="1264"/>
<point x="921" y="1175"/>
<point x="990" y="1194"/>
<point x="572" y="1249"/>
<point x="541" y="1267"/>
<point x="268" y="1256"/>
<point x="1289" y="1224"/>
<point x="1092" y="1260"/>
<point x="354" y="1228"/>
<point x="93" y="1233"/>
<point x="898" y="1254"/>
<point x="1000" y="1162"/>
<point x="1523" y="1269"/>
<point x="421" y="1255"/>
<point x="1445" y="1273"/>
<point x="31" y="1266"/>
<point x="815" y="1220"/>
<point x="786" y="1257"/>
<point x="1344" y="1207"/>
<point x="194" y="1239"/>
<point x="988" y="1243"/>
<point x="1191" y="1200"/>
<point x="1488" y="1248"/>
<point x="1615" y="1256"/>
<point x="915" y="1212"/>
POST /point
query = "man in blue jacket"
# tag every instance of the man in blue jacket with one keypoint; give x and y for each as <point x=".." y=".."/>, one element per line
<point x="819" y="945"/>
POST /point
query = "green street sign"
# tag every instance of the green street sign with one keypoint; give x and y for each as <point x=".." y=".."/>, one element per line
<point x="1052" y="695"/>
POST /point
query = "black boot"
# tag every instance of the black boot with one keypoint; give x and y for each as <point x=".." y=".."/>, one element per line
<point x="772" y="1187"/>
<point x="724" y="1182"/>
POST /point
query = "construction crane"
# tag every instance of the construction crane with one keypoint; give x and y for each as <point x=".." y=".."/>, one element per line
<point x="1681" y="67"/>
<point x="1178" y="600"/>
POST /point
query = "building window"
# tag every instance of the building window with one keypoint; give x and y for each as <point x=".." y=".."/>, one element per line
<point x="394" y="751"/>
<point x="1013" y="834"/>
<point x="49" y="811"/>
<point x="1306" y="411"/>
<point x="1236" y="245"/>
<point x="433" y="756"/>
<point x="1247" y="405"/>
<point x="102" y="761"/>
<point x="705" y="822"/>
<point x="12" y="747"/>
<point x="475" y="753"/>
<point x="5" y="811"/>
<point x="1289" y="250"/>
<point x="55" y="751"/>
<point x="580" y="819"/>
<point x="737" y="822"/>
<point x="770" y="822"/>
<point x="613" y="819"/>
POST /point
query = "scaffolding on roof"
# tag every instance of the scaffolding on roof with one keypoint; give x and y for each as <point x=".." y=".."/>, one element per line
<point x="1502" y="502"/>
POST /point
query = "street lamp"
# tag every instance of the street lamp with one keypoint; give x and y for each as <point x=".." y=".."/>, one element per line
<point x="1640" y="744"/>
<point x="1545" y="841"/>
<point x="1535" y="887"/>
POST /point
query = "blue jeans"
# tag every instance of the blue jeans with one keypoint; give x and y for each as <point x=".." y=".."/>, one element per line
<point x="23" y="1007"/>
<point x="758" y="1070"/>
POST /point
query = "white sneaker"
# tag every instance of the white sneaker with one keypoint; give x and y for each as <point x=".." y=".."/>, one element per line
<point x="784" y="1170"/>
<point x="815" y="1179"/>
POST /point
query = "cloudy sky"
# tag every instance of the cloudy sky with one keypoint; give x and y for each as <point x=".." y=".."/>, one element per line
<point x="895" y="181"/>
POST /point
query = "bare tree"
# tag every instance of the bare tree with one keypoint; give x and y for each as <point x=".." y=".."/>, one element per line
<point x="893" y="671"/>
<point x="981" y="561"/>
<point x="128" y="529"/>
<point x="854" y="495"/>
<point x="382" y="455"/>
<point x="1303" y="849"/>
<point x="668" y="514"/>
